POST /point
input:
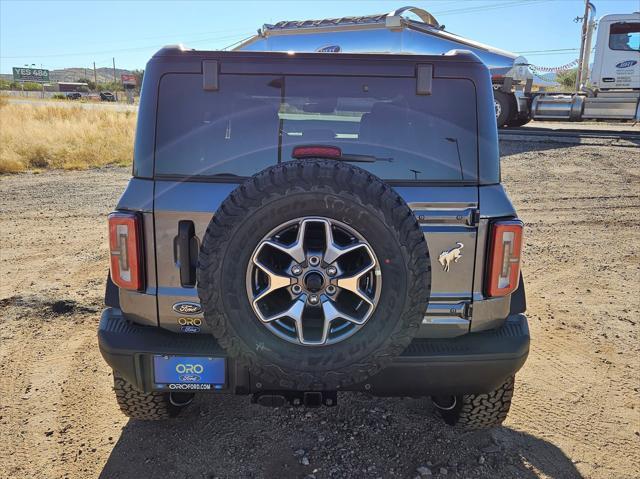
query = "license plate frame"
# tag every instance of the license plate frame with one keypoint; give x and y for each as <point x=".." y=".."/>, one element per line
<point x="189" y="373"/>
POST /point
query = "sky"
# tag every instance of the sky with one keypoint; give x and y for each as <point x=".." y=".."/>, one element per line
<point x="57" y="34"/>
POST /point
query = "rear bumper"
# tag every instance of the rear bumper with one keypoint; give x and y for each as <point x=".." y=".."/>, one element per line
<point x="473" y="363"/>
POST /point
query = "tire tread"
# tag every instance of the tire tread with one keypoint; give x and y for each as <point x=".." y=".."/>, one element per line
<point x="482" y="411"/>
<point x="340" y="179"/>
<point x="152" y="406"/>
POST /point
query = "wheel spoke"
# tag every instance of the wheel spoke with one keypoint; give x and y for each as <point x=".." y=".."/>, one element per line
<point x="332" y="251"/>
<point x="294" y="312"/>
<point x="276" y="281"/>
<point x="331" y="313"/>
<point x="300" y="331"/>
<point x="352" y="283"/>
<point x="295" y="250"/>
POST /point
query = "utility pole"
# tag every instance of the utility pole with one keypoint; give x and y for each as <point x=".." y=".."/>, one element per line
<point x="95" y="75"/>
<point x="583" y="37"/>
<point x="115" y="84"/>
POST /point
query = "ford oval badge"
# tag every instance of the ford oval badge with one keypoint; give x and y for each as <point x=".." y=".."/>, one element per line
<point x="329" y="49"/>
<point x="187" y="307"/>
<point x="626" y="64"/>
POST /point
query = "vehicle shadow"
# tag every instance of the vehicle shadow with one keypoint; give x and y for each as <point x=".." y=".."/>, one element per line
<point x="362" y="436"/>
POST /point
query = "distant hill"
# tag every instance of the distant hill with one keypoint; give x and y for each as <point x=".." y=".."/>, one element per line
<point x="104" y="74"/>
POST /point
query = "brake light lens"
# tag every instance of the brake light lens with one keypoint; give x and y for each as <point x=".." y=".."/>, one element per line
<point x="503" y="274"/>
<point x="320" y="151"/>
<point x="125" y="245"/>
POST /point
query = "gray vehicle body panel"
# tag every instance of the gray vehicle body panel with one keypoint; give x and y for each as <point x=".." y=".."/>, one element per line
<point x="452" y="214"/>
<point x="448" y="212"/>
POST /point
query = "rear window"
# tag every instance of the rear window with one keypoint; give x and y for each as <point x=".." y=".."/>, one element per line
<point x="253" y="122"/>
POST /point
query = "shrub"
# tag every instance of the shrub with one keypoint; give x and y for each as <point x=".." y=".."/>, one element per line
<point x="567" y="78"/>
<point x="53" y="136"/>
<point x="32" y="86"/>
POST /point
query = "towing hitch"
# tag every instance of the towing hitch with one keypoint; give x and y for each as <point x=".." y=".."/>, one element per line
<point x="295" y="398"/>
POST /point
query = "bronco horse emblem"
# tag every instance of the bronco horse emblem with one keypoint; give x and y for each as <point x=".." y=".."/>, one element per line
<point x="446" y="257"/>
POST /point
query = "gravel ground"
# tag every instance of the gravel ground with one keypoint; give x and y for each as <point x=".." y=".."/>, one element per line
<point x="576" y="407"/>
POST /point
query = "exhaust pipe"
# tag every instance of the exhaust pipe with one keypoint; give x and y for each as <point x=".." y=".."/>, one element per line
<point x="181" y="399"/>
<point x="445" y="403"/>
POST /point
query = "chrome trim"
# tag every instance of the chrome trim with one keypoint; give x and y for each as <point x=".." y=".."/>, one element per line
<point x="489" y="313"/>
<point x="445" y="320"/>
<point x="443" y="216"/>
<point x="435" y="309"/>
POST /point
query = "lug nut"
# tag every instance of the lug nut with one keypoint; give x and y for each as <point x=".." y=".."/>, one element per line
<point x="331" y="289"/>
<point x="296" y="269"/>
<point x="314" y="261"/>
<point x="296" y="289"/>
<point x="313" y="299"/>
<point x="332" y="270"/>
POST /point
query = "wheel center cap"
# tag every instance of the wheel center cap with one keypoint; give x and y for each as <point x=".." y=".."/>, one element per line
<point x="314" y="282"/>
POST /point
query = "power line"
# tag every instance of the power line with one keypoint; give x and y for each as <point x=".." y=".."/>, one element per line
<point x="242" y="40"/>
<point x="559" y="50"/>
<point x="491" y="6"/>
<point x="107" y="52"/>
<point x="239" y="31"/>
<point x="550" y="54"/>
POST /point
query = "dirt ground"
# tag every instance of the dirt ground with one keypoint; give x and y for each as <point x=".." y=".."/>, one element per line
<point x="576" y="411"/>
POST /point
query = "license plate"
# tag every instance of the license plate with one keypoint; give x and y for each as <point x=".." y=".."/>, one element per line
<point x="189" y="372"/>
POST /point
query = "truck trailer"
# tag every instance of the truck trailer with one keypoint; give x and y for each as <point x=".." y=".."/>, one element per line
<point x="612" y="94"/>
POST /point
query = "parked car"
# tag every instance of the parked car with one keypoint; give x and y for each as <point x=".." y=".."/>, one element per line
<point x="74" y="95"/>
<point x="302" y="225"/>
<point x="107" y="96"/>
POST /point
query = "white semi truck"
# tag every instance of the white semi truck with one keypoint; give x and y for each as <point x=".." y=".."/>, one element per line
<point x="613" y="92"/>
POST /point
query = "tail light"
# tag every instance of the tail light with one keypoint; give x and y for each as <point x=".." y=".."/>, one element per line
<point x="125" y="245"/>
<point x="504" y="258"/>
<point x="319" y="151"/>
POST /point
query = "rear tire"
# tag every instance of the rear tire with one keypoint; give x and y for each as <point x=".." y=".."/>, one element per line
<point x="152" y="406"/>
<point x="518" y="122"/>
<point x="504" y="107"/>
<point x="481" y="411"/>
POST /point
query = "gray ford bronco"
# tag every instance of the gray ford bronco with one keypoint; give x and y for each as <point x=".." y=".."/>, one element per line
<point x="303" y="225"/>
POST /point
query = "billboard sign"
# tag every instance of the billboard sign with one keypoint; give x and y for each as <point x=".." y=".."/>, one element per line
<point x="128" y="79"/>
<point x="30" y="74"/>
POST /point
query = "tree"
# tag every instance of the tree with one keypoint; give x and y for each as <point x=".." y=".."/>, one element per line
<point x="90" y="83"/>
<point x="110" y="86"/>
<point x="32" y="86"/>
<point x="567" y="78"/>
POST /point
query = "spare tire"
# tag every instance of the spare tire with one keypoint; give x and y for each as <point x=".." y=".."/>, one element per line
<point x="314" y="274"/>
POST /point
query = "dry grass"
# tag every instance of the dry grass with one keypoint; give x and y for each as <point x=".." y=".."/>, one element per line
<point x="34" y="137"/>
